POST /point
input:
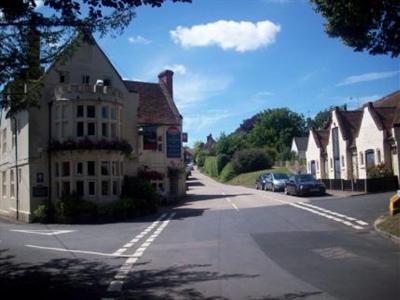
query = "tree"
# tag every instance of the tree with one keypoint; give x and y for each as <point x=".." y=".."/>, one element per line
<point x="30" y="39"/>
<point x="276" y="128"/>
<point x="229" y="144"/>
<point x="372" y="25"/>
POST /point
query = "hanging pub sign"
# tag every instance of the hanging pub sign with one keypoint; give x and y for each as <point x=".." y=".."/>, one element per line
<point x="174" y="143"/>
<point x="184" y="137"/>
<point x="149" y="138"/>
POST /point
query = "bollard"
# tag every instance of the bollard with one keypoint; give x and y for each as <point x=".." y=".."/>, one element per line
<point x="394" y="205"/>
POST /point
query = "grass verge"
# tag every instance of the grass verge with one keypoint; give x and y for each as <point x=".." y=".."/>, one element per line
<point x="391" y="224"/>
<point x="249" y="179"/>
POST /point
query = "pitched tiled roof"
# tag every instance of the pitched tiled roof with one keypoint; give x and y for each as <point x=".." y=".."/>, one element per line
<point x="383" y="117"/>
<point x="153" y="104"/>
<point x="301" y="143"/>
<point x="392" y="100"/>
<point x="349" y="122"/>
<point x="321" y="137"/>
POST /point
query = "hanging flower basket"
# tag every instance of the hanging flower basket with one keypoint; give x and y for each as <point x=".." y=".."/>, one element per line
<point x="87" y="144"/>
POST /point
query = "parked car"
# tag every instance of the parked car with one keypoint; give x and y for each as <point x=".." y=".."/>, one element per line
<point x="304" y="184"/>
<point x="188" y="171"/>
<point x="260" y="181"/>
<point x="276" y="182"/>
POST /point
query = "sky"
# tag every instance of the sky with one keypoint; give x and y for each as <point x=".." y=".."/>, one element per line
<point x="235" y="58"/>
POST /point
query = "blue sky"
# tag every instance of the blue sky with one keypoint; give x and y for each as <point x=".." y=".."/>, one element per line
<point x="235" y="58"/>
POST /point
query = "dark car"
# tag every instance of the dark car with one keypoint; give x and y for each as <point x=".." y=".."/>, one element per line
<point x="276" y="182"/>
<point x="260" y="181"/>
<point x="304" y="184"/>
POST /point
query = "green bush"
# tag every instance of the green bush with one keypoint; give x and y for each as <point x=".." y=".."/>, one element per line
<point x="249" y="160"/>
<point x="72" y="209"/>
<point x="210" y="166"/>
<point x="141" y="193"/>
<point x="227" y="173"/>
<point x="379" y="171"/>
<point x="41" y="213"/>
<point x="222" y="160"/>
<point x="200" y="159"/>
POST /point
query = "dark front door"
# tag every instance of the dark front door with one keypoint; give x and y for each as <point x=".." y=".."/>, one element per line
<point x="313" y="170"/>
<point x="336" y="152"/>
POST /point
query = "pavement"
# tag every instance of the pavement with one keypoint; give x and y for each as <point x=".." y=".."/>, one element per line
<point x="222" y="242"/>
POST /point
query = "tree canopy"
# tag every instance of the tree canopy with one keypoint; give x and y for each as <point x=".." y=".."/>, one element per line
<point x="372" y="25"/>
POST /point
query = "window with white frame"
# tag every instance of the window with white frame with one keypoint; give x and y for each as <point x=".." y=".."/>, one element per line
<point x="12" y="184"/>
<point x="4" y="183"/>
<point x="4" y="140"/>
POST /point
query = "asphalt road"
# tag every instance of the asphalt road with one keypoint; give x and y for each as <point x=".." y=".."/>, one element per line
<point x="222" y="242"/>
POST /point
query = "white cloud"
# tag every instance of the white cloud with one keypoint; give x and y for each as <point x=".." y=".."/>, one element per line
<point x="241" y="36"/>
<point x="138" y="40"/>
<point x="178" y="69"/>
<point x="367" y="77"/>
<point x="263" y="94"/>
<point x="204" y="120"/>
<point x="194" y="88"/>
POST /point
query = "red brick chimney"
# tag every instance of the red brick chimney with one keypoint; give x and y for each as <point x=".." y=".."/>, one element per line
<point x="165" y="78"/>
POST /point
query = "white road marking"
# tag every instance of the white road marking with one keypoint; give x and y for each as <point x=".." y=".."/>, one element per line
<point x="326" y="215"/>
<point x="43" y="231"/>
<point x="78" y="251"/>
<point x="334" y="213"/>
<point x="140" y="235"/>
<point x="235" y="207"/>
<point x="116" y="284"/>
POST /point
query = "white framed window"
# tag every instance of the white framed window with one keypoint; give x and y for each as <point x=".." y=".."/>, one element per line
<point x="115" y="187"/>
<point x="91" y="188"/>
<point x="105" y="168"/>
<point x="4" y="183"/>
<point x="80" y="188"/>
<point x="79" y="168"/>
<point x="12" y="184"/>
<point x="105" y="187"/>
<point x="4" y="139"/>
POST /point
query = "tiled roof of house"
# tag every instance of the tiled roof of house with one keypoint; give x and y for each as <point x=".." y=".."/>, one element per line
<point x="321" y="137"/>
<point x="383" y="117"/>
<point x="153" y="104"/>
<point x="301" y="143"/>
<point x="392" y="100"/>
<point x="349" y="122"/>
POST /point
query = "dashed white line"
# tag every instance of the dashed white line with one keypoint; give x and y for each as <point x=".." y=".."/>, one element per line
<point x="139" y="236"/>
<point x="116" y="284"/>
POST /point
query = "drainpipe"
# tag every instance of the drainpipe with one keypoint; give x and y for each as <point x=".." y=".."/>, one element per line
<point x="49" y="160"/>
<point x="16" y="167"/>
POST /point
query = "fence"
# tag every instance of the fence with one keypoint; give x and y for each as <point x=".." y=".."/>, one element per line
<point x="370" y="185"/>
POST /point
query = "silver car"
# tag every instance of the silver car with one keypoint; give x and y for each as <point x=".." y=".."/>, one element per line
<point x="276" y="182"/>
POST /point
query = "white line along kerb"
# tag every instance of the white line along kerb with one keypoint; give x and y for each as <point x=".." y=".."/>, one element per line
<point x="116" y="284"/>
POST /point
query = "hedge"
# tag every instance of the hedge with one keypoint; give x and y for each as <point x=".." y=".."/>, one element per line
<point x="211" y="166"/>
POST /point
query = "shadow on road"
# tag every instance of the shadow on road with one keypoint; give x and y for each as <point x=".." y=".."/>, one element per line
<point x="63" y="278"/>
<point x="175" y="282"/>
